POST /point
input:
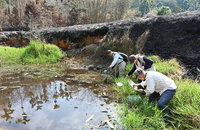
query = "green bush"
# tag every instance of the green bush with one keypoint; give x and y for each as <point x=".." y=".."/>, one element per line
<point x="164" y="10"/>
<point x="36" y="52"/>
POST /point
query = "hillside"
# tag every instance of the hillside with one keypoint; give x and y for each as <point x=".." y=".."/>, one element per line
<point x="169" y="36"/>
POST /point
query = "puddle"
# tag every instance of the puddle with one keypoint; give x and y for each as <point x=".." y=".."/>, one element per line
<point x="77" y="99"/>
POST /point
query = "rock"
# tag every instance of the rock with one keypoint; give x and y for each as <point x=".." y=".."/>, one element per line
<point x="19" y="28"/>
<point x="3" y="37"/>
<point x="134" y="98"/>
<point x="99" y="67"/>
<point x="15" y="39"/>
<point x="91" y="67"/>
<point x="88" y="50"/>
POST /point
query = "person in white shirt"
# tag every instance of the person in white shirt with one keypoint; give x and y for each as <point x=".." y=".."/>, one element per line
<point x="117" y="60"/>
<point x="157" y="83"/>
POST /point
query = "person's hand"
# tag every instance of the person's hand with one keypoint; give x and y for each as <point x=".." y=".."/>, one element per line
<point x="142" y="67"/>
<point x="108" y="68"/>
<point x="141" y="90"/>
<point x="127" y="76"/>
<point x="134" y="85"/>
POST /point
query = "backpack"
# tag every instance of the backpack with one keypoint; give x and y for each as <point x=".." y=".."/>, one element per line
<point x="125" y="57"/>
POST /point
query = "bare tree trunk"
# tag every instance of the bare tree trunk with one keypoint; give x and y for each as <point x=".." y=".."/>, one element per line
<point x="9" y="6"/>
<point x="19" y="12"/>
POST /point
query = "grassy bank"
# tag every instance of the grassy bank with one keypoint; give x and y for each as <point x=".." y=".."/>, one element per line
<point x="139" y="114"/>
<point x="37" y="60"/>
<point x="36" y="52"/>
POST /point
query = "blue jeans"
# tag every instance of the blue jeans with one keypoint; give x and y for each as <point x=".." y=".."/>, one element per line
<point x="164" y="99"/>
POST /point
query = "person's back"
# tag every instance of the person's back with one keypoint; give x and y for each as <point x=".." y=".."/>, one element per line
<point x="118" y="61"/>
<point x="147" y="63"/>
<point x="140" y="62"/>
<point x="160" y="81"/>
<point x="158" y="86"/>
<point x="117" y="58"/>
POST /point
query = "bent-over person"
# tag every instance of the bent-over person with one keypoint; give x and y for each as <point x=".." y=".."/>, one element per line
<point x="140" y="62"/>
<point x="158" y="85"/>
<point x="118" y="61"/>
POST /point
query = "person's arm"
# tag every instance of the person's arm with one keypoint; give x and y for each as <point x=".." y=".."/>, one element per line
<point x="141" y="91"/>
<point x="116" y="57"/>
<point x="150" y="86"/>
<point x="132" y="70"/>
<point x="148" y="63"/>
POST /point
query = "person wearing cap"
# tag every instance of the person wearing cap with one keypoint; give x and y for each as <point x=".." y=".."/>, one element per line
<point x="117" y="60"/>
<point x="140" y="62"/>
<point x="158" y="85"/>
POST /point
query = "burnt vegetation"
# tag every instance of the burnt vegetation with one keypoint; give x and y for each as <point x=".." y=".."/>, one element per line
<point x="57" y="13"/>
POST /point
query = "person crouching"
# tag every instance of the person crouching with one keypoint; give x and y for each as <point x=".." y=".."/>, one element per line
<point x="140" y="62"/>
<point x="117" y="61"/>
<point x="158" y="85"/>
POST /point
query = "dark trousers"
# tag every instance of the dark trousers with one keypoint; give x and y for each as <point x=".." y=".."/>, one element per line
<point x="163" y="100"/>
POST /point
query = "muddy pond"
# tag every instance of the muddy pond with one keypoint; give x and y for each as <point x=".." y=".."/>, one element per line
<point x="75" y="98"/>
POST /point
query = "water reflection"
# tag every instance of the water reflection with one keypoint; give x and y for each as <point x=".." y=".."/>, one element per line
<point x="62" y="103"/>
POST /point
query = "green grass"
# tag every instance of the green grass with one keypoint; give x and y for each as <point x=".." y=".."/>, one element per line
<point x="143" y="115"/>
<point x="10" y="54"/>
<point x="186" y="103"/>
<point x="167" y="67"/>
<point x="36" y="52"/>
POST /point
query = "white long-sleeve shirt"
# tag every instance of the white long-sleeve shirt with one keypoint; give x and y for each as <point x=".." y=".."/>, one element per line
<point x="158" y="82"/>
<point x="117" y="59"/>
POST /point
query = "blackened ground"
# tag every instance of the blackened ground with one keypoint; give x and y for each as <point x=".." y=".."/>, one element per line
<point x="169" y="36"/>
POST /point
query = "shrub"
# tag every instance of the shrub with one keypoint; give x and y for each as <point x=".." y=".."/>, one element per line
<point x="38" y="52"/>
<point x="164" y="10"/>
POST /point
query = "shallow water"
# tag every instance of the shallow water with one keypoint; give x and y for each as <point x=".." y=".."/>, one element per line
<point x="77" y="99"/>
